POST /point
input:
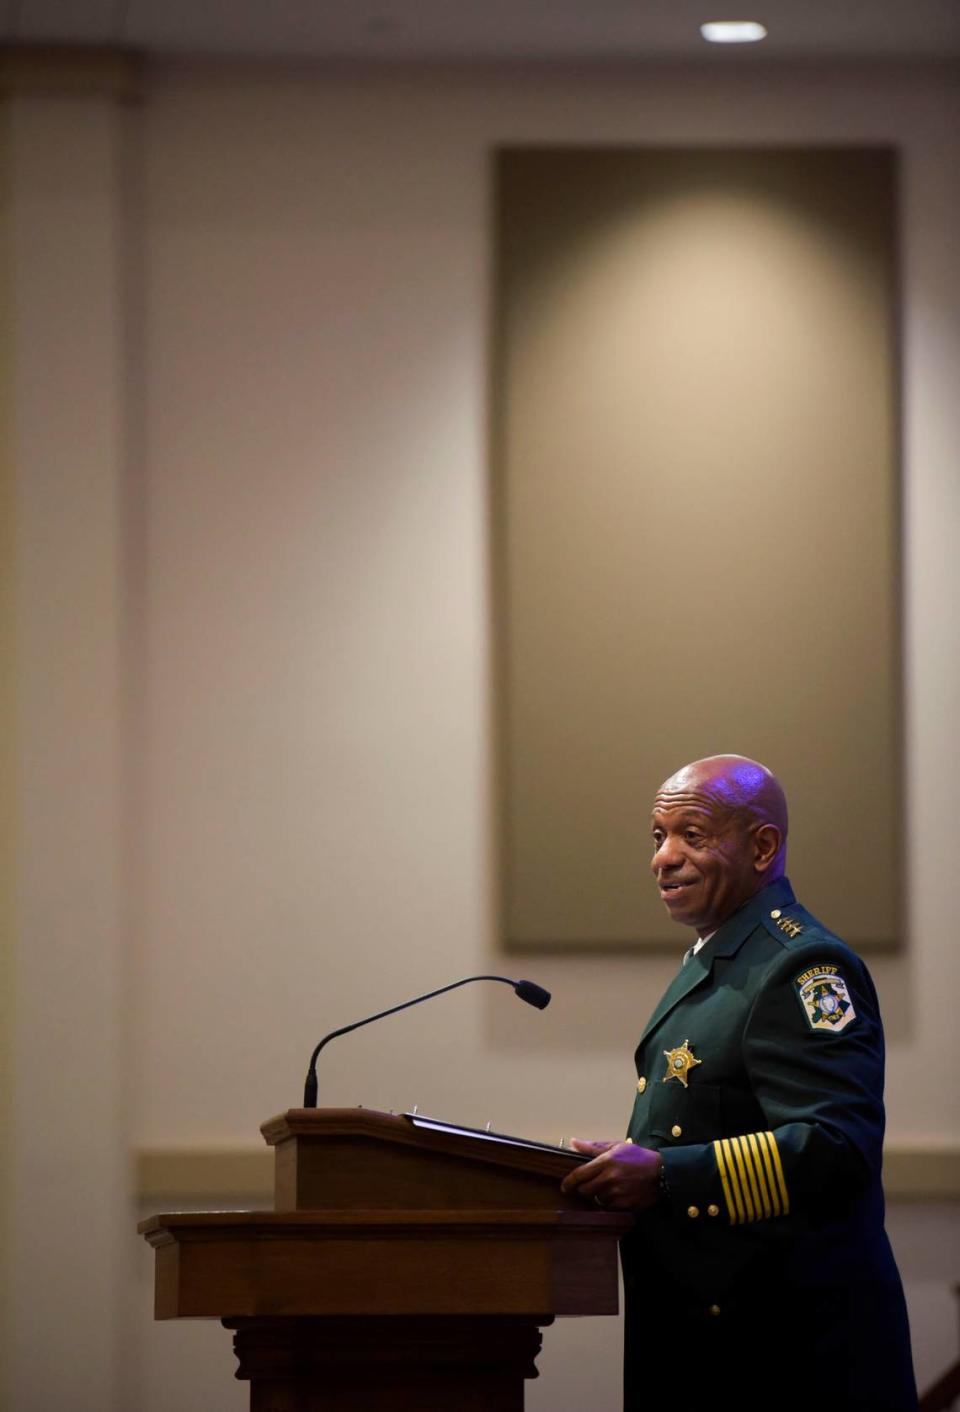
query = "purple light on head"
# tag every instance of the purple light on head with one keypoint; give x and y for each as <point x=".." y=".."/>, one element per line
<point x="739" y="784"/>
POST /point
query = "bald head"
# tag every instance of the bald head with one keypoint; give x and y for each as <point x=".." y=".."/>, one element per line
<point x="720" y="835"/>
<point x="732" y="782"/>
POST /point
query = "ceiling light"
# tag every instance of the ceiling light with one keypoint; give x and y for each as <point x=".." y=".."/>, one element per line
<point x="733" y="31"/>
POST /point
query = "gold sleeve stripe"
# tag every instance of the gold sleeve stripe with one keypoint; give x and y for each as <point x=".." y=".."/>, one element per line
<point x="748" y="1203"/>
<point x="736" y="1164"/>
<point x="736" y="1206"/>
<point x="761" y="1207"/>
<point x="739" y="1195"/>
<point x="765" y="1201"/>
<point x="751" y="1176"/>
<point x="762" y="1139"/>
<point x="725" y="1182"/>
<point x="779" y="1171"/>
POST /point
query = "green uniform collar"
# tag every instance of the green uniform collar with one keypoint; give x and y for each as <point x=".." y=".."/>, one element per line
<point x="726" y="940"/>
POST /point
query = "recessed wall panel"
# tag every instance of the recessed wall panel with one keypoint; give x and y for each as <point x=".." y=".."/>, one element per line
<point x="696" y="508"/>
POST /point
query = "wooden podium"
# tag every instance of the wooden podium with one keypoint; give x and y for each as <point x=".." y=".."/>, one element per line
<point x="406" y="1265"/>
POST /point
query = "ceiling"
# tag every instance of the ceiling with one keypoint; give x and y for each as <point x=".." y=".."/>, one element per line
<point x="542" y="31"/>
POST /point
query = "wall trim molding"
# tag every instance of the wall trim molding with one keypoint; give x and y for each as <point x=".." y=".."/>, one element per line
<point x="222" y="1173"/>
<point x="69" y="70"/>
<point x="912" y="1172"/>
<point x="922" y="1171"/>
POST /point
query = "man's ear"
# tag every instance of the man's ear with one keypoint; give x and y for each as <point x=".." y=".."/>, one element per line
<point x="767" y="840"/>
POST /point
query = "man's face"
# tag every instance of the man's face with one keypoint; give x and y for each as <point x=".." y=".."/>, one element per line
<point x="703" y="858"/>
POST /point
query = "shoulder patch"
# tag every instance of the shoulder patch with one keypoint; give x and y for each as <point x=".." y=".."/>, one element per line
<point x="825" y="999"/>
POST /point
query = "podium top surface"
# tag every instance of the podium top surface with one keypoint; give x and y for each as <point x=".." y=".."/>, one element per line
<point x="416" y="1130"/>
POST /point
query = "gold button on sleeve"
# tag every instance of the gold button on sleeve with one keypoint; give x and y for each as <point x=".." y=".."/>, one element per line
<point x="641" y="1084"/>
<point x="713" y="1210"/>
<point x="693" y="1212"/>
<point x="775" y="913"/>
<point x="676" y="1130"/>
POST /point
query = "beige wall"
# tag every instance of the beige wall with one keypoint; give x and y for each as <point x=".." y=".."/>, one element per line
<point x="64" y="1130"/>
<point x="8" y="719"/>
<point x="306" y="587"/>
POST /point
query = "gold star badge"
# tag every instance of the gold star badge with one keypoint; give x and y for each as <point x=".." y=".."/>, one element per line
<point x="680" y="1062"/>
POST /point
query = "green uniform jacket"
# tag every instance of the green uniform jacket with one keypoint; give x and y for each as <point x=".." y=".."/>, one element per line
<point x="760" y="1080"/>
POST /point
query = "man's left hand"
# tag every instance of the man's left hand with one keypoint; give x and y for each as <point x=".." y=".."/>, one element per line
<point x="621" y="1177"/>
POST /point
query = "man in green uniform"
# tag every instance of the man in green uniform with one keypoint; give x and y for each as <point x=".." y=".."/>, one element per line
<point x="759" y="1266"/>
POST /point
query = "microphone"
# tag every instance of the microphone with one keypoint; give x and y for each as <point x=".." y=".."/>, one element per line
<point x="529" y="991"/>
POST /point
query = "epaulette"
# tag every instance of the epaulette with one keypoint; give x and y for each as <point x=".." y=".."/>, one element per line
<point x="786" y="923"/>
<point x="794" y="926"/>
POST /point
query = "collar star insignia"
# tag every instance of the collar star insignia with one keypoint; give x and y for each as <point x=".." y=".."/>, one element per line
<point x="679" y="1063"/>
